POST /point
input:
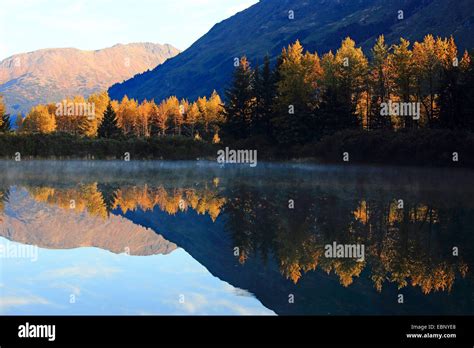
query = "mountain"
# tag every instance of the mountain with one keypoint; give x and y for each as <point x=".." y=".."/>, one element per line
<point x="320" y="24"/>
<point x="49" y="75"/>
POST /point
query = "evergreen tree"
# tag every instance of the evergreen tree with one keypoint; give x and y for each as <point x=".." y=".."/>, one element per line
<point x="265" y="91"/>
<point x="5" y="124"/>
<point x="108" y="127"/>
<point x="109" y="196"/>
<point x="239" y="109"/>
<point x="457" y="95"/>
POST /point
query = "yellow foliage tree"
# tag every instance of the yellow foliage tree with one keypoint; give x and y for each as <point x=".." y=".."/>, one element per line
<point x="39" y="120"/>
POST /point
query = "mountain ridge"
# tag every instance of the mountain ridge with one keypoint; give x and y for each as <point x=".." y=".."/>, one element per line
<point x="320" y="25"/>
<point x="51" y="74"/>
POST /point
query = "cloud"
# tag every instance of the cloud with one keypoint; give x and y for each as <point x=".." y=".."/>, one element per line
<point x="198" y="304"/>
<point x="80" y="272"/>
<point x="6" y="302"/>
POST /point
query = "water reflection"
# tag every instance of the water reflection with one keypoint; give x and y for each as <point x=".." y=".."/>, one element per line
<point x="100" y="200"/>
<point x="242" y="226"/>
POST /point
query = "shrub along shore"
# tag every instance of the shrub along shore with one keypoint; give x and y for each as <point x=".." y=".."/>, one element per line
<point x="415" y="147"/>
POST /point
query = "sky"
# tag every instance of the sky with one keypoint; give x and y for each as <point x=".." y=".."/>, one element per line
<point x="28" y="25"/>
<point x="103" y="283"/>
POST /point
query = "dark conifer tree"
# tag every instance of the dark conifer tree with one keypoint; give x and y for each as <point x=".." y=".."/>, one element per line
<point x="6" y="124"/>
<point x="240" y="105"/>
<point x="265" y="91"/>
<point x="109" y="128"/>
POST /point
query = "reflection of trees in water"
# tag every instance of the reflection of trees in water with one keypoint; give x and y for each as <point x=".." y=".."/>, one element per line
<point x="409" y="246"/>
<point x="406" y="246"/>
<point x="202" y="201"/>
<point x="101" y="199"/>
<point x="81" y="198"/>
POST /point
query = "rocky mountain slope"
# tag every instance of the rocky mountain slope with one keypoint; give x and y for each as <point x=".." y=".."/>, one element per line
<point x="49" y="75"/>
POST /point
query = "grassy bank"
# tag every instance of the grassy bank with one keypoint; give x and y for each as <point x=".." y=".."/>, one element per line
<point x="65" y="146"/>
<point x="418" y="147"/>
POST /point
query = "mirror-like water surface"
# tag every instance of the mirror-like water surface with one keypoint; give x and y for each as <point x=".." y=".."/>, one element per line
<point x="196" y="238"/>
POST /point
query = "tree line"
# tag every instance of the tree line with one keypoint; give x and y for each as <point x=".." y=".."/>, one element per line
<point x="113" y="119"/>
<point x="305" y="96"/>
<point x="299" y="99"/>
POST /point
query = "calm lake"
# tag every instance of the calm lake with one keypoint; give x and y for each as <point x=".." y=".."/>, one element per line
<point x="195" y="238"/>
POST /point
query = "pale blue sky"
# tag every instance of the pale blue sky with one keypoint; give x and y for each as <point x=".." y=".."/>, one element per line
<point x="108" y="284"/>
<point x="28" y="25"/>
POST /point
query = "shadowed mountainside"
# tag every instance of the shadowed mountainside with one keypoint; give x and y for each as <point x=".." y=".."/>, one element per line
<point x="319" y="24"/>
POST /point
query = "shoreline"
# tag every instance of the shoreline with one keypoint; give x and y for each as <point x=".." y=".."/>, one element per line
<point x="425" y="148"/>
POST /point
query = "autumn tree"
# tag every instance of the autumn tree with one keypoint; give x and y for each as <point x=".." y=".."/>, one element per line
<point x="39" y="120"/>
<point x="127" y="115"/>
<point x="142" y="124"/>
<point x="336" y="111"/>
<point x="174" y="114"/>
<point x="428" y="59"/>
<point x="402" y="70"/>
<point x="183" y="111"/>
<point x="158" y="119"/>
<point x="192" y="118"/>
<point x="201" y="103"/>
<point x="379" y="85"/>
<point x="90" y="124"/>
<point x="2" y="110"/>
<point x="213" y="118"/>
<point x="352" y="68"/>
<point x="70" y="115"/>
<point x="297" y="95"/>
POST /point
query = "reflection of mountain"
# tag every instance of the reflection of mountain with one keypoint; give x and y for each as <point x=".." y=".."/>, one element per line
<point x="29" y="222"/>
<point x="281" y="252"/>
<point x="315" y="293"/>
<point x="408" y="248"/>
